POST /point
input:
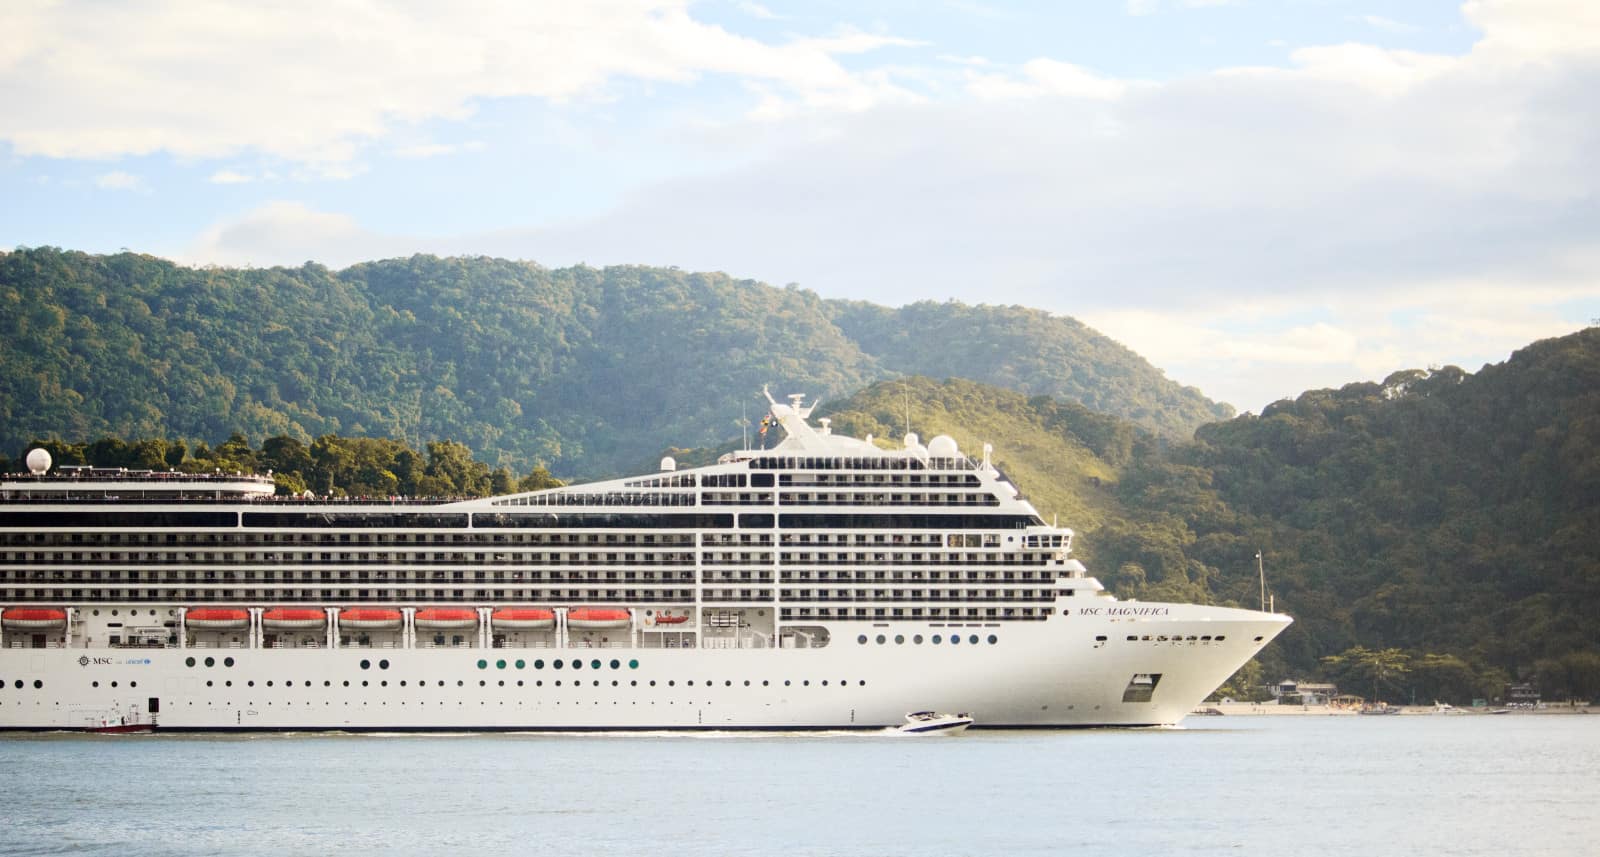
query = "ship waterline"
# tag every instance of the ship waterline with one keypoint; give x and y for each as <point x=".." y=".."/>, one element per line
<point x="825" y="583"/>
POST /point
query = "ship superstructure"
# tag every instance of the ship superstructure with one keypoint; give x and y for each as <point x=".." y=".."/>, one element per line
<point x="824" y="583"/>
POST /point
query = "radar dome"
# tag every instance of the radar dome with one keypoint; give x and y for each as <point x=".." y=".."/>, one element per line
<point x="943" y="446"/>
<point x="911" y="440"/>
<point x="38" y="461"/>
<point x="669" y="463"/>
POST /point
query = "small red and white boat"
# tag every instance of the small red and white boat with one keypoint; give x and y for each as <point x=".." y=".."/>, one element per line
<point x="121" y="728"/>
<point x="33" y="618"/>
<point x="444" y="618"/>
<point x="369" y="618"/>
<point x="216" y="618"/>
<point x="524" y="618"/>
<point x="598" y="618"/>
<point x="292" y="618"/>
<point x="671" y="619"/>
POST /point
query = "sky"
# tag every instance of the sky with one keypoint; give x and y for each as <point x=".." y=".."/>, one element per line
<point x="1259" y="197"/>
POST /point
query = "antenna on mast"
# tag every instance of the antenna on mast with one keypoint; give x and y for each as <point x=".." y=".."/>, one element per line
<point x="1262" y="571"/>
<point x="905" y="388"/>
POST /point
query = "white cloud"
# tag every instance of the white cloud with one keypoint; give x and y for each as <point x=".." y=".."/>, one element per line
<point x="314" y="81"/>
<point x="119" y="180"/>
<point x="289" y="233"/>
<point x="434" y="150"/>
<point x="230" y="177"/>
<point x="756" y="10"/>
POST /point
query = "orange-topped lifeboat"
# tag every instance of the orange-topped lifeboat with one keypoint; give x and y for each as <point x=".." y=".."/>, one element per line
<point x="294" y="618"/>
<point x="369" y="618"/>
<point x="524" y="618"/>
<point x="33" y="618"/>
<point x="597" y="618"/>
<point x="216" y="618"/>
<point x="440" y="618"/>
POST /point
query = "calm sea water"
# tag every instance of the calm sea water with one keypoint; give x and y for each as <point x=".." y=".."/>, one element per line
<point x="1259" y="785"/>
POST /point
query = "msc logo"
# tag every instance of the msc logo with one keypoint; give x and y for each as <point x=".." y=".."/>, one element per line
<point x="86" y="660"/>
<point x="83" y="661"/>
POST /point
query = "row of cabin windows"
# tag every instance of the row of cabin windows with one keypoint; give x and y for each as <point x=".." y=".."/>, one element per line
<point x="310" y="538"/>
<point x="861" y="577"/>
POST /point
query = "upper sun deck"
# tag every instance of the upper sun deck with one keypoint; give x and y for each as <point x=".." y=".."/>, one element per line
<point x="118" y="483"/>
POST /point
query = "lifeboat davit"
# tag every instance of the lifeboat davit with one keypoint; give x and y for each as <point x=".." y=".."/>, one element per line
<point x="294" y="618"/>
<point x="597" y="618"/>
<point x="369" y="618"/>
<point x="670" y="619"/>
<point x="34" y="618"/>
<point x="524" y="618"/>
<point x="216" y="618"/>
<point x="440" y="618"/>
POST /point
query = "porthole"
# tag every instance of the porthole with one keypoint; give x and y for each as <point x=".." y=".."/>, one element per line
<point x="210" y="683"/>
<point x="955" y="639"/>
<point x="595" y="664"/>
<point x="383" y="665"/>
<point x="862" y="639"/>
<point x="227" y="662"/>
<point x="899" y="639"/>
<point x="500" y="664"/>
<point x="633" y="664"/>
<point x="577" y="664"/>
<point x="538" y="663"/>
<point x="366" y="665"/>
<point x="973" y="639"/>
<point x="938" y="638"/>
<point x="993" y="639"/>
<point x="269" y="682"/>
<point x="211" y="662"/>
<point x="917" y="639"/>
<point x="188" y="662"/>
<point x="616" y="664"/>
<point x="881" y="639"/>
<point x="94" y="684"/>
<point x="38" y="684"/>
<point x="556" y="664"/>
<point x="483" y="664"/>
<point x="824" y="682"/>
<point x="521" y="664"/>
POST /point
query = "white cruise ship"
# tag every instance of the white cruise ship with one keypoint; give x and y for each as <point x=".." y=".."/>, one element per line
<point x="825" y="583"/>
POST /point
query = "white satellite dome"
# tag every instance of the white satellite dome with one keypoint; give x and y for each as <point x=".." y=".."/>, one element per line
<point x="669" y="463"/>
<point x="911" y="440"/>
<point x="38" y="461"/>
<point x="943" y="446"/>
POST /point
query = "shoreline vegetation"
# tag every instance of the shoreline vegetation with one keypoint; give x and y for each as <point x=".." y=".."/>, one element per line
<point x="1271" y="709"/>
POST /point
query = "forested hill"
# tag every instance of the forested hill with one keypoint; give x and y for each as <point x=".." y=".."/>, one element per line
<point x="586" y="370"/>
<point x="1434" y="534"/>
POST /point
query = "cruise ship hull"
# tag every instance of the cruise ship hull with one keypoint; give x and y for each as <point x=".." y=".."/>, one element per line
<point x="1073" y="670"/>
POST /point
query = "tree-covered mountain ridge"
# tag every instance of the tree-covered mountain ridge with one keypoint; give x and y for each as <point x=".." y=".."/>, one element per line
<point x="587" y="371"/>
<point x="1434" y="534"/>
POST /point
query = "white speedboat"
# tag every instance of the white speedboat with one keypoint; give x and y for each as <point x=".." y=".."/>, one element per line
<point x="935" y="723"/>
